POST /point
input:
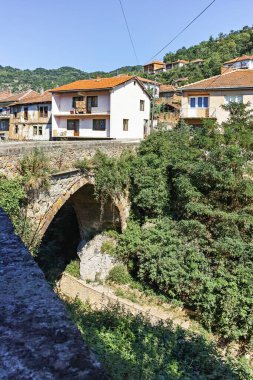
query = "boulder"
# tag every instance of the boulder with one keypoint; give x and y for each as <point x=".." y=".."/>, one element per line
<point x="95" y="263"/>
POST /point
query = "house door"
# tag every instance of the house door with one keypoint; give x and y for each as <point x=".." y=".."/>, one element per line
<point x="76" y="128"/>
<point x="89" y="104"/>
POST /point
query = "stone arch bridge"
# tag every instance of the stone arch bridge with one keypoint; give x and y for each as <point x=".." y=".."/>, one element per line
<point x="68" y="186"/>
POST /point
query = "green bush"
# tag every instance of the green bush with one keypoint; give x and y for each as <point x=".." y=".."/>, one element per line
<point x="108" y="247"/>
<point x="119" y="274"/>
<point x="131" y="347"/>
<point x="73" y="268"/>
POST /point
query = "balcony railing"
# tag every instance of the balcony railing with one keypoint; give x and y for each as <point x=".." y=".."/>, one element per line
<point x="198" y="112"/>
<point x="5" y="113"/>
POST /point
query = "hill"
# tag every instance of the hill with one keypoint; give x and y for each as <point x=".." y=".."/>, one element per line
<point x="44" y="79"/>
<point x="214" y="52"/>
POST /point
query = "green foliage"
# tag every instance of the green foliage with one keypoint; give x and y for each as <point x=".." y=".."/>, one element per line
<point x="194" y="243"/>
<point x="83" y="164"/>
<point x="131" y="347"/>
<point x="18" y="80"/>
<point x="119" y="274"/>
<point x="108" y="247"/>
<point x="112" y="175"/>
<point x="35" y="171"/>
<point x="12" y="196"/>
<point x="73" y="268"/>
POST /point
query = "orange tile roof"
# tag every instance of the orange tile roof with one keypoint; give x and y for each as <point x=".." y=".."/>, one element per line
<point x="152" y="62"/>
<point x="4" y="95"/>
<point x="145" y="80"/>
<point x="94" y="84"/>
<point x="239" y="59"/>
<point x="167" y="88"/>
<point x="19" y="96"/>
<point x="46" y="97"/>
<point x="181" y="61"/>
<point x="233" y="79"/>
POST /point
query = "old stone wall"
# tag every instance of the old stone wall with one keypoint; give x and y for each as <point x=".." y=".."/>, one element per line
<point x="62" y="154"/>
<point x="38" y="339"/>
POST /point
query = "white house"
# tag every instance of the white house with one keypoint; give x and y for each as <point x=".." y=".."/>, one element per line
<point x="244" y="62"/>
<point x="116" y="108"/>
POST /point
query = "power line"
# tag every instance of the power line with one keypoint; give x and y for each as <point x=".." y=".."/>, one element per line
<point x="129" y="33"/>
<point x="186" y="27"/>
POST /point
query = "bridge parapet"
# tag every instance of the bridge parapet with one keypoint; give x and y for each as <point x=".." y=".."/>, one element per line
<point x="38" y="339"/>
<point x="62" y="154"/>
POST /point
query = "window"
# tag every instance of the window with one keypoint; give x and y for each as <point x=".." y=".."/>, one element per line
<point x="72" y="124"/>
<point x="26" y="113"/>
<point x="199" y="102"/>
<point x="35" y="130"/>
<point x="40" y="130"/>
<point x="94" y="101"/>
<point x="16" y="129"/>
<point x="99" y="124"/>
<point x="142" y="105"/>
<point x="76" y="99"/>
<point x="43" y="111"/>
<point x="125" y="125"/>
<point x="233" y="99"/>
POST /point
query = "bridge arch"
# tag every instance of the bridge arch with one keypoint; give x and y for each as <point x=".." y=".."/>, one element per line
<point x="76" y="189"/>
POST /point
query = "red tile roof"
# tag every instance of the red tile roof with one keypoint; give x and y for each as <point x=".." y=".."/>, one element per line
<point x="94" y="84"/>
<point x="157" y="62"/>
<point x="167" y="88"/>
<point x="4" y="95"/>
<point x="239" y="59"/>
<point x="233" y="79"/>
<point x="145" y="80"/>
<point x="46" y="97"/>
<point x="17" y="97"/>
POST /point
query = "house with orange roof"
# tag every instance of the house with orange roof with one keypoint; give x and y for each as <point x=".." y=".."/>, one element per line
<point x="243" y="62"/>
<point x="114" y="108"/>
<point x="6" y="99"/>
<point x="30" y="117"/>
<point x="154" y="67"/>
<point x="204" y="99"/>
<point x="176" y="64"/>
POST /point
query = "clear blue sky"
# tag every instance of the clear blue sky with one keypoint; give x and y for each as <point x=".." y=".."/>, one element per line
<point x="91" y="35"/>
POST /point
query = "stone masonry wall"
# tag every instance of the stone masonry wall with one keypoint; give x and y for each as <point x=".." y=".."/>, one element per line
<point x="38" y="339"/>
<point x="62" y="154"/>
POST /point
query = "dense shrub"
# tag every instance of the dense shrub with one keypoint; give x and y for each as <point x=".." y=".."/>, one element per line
<point x="119" y="274"/>
<point x="190" y="236"/>
<point x="131" y="347"/>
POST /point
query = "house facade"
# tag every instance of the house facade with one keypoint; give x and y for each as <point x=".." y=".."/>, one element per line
<point x="30" y="117"/>
<point x="6" y="99"/>
<point x="244" y="62"/>
<point x="112" y="108"/>
<point x="154" y="67"/>
<point x="204" y="99"/>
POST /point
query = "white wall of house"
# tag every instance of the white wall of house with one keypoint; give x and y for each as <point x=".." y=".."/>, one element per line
<point x="85" y="127"/>
<point x="63" y="102"/>
<point x="216" y="100"/>
<point x="247" y="63"/>
<point x="125" y="104"/>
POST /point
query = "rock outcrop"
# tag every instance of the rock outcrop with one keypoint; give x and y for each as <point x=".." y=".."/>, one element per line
<point x="95" y="262"/>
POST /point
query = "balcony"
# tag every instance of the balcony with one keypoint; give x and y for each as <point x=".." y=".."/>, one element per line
<point x="4" y="114"/>
<point x="197" y="113"/>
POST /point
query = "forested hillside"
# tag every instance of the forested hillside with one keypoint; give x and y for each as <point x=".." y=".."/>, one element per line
<point x="214" y="52"/>
<point x="43" y="79"/>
